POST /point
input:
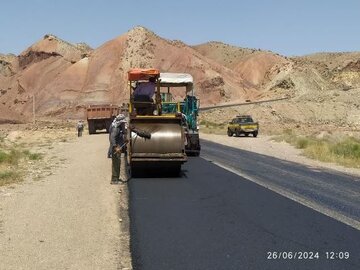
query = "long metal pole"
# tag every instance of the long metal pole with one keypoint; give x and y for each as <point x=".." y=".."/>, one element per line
<point x="34" y="119"/>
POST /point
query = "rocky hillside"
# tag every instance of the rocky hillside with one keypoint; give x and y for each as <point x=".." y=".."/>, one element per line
<point x="65" y="77"/>
<point x="253" y="65"/>
<point x="323" y="89"/>
<point x="31" y="72"/>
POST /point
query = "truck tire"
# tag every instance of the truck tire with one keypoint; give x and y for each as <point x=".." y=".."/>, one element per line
<point x="229" y="133"/>
<point x="255" y="133"/>
<point x="107" y="125"/>
<point x="91" y="126"/>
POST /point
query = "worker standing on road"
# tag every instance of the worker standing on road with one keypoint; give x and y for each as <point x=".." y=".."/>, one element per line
<point x="118" y="142"/>
<point x="80" y="127"/>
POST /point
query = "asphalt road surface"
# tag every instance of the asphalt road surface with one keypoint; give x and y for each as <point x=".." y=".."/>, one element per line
<point x="212" y="218"/>
<point x="329" y="191"/>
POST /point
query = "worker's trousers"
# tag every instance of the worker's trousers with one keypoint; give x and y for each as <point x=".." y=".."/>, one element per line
<point x="116" y="160"/>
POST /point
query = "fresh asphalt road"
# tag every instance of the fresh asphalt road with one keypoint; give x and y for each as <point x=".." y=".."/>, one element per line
<point x="330" y="191"/>
<point x="211" y="218"/>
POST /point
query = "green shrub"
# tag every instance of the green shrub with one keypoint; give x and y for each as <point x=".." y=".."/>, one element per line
<point x="32" y="156"/>
<point x="6" y="174"/>
<point x="35" y="156"/>
<point x="14" y="156"/>
<point x="11" y="157"/>
<point x="13" y="162"/>
<point x="26" y="152"/>
<point x="343" y="150"/>
<point x="8" y="177"/>
<point x="350" y="148"/>
<point x="302" y="143"/>
<point x="3" y="156"/>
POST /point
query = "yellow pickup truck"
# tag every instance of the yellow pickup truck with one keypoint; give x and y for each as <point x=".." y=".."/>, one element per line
<point x="243" y="124"/>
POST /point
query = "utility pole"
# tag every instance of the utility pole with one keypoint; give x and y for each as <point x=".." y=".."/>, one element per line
<point x="34" y="119"/>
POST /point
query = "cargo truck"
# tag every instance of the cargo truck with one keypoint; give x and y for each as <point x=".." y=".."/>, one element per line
<point x="101" y="116"/>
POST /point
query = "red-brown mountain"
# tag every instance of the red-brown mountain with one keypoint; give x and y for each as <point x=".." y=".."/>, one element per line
<point x="65" y="77"/>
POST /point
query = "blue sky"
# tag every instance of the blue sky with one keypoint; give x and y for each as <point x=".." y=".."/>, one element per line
<point x="289" y="27"/>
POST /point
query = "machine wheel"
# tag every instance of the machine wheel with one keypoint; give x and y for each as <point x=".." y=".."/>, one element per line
<point x="176" y="170"/>
<point x="255" y="133"/>
<point x="229" y="133"/>
<point x="246" y="134"/>
<point x="193" y="154"/>
<point x="133" y="172"/>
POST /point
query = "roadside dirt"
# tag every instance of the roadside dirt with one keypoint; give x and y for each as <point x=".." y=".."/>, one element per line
<point x="71" y="218"/>
<point x="66" y="215"/>
<point x="264" y="145"/>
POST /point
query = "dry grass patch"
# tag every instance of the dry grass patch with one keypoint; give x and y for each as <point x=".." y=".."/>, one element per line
<point x="12" y="160"/>
<point x="19" y="147"/>
<point x="343" y="150"/>
<point x="9" y="177"/>
<point x="212" y="127"/>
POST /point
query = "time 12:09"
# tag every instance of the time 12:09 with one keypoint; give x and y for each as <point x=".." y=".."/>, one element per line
<point x="341" y="255"/>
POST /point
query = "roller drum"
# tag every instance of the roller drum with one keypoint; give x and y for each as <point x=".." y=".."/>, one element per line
<point x="165" y="138"/>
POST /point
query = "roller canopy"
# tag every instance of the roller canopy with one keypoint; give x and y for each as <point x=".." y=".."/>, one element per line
<point x="137" y="74"/>
<point x="176" y="78"/>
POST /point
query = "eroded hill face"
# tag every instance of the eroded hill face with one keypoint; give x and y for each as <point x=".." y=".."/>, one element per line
<point x="323" y="88"/>
<point x="271" y="71"/>
<point x="66" y="77"/>
<point x="31" y="72"/>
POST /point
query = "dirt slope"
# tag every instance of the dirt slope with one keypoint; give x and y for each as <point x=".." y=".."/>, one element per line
<point x="224" y="54"/>
<point x="251" y="64"/>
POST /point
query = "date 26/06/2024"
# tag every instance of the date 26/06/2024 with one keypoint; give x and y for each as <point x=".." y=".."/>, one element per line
<point x="307" y="255"/>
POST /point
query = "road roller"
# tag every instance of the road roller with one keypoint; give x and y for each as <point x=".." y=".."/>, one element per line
<point x="156" y="140"/>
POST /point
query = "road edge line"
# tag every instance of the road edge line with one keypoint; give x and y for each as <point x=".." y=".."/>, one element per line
<point x="294" y="197"/>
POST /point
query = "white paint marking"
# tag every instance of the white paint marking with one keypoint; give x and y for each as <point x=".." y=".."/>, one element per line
<point x="294" y="197"/>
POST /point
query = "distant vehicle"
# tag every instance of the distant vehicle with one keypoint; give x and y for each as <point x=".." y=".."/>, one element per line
<point x="101" y="116"/>
<point x="243" y="124"/>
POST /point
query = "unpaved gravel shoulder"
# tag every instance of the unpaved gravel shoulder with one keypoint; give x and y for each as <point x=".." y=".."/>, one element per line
<point x="72" y="219"/>
<point x="264" y="145"/>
